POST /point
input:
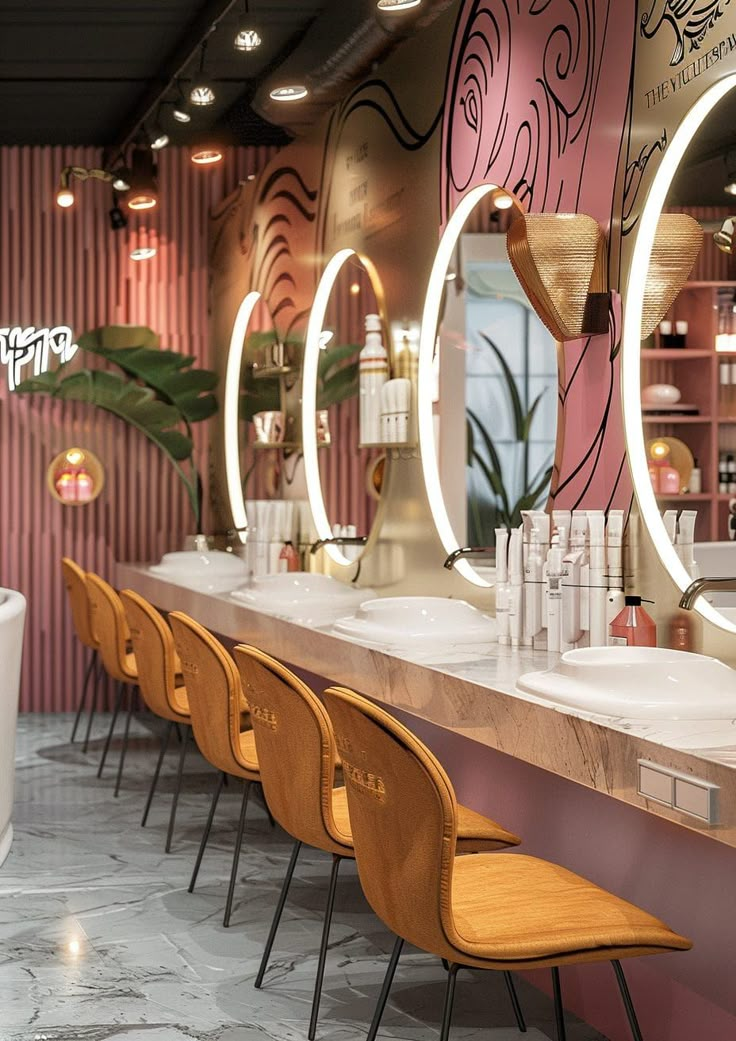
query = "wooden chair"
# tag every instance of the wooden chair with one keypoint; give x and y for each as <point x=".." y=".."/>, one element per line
<point x="76" y="587"/>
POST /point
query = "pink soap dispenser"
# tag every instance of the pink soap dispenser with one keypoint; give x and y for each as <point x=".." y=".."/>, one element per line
<point x="633" y="627"/>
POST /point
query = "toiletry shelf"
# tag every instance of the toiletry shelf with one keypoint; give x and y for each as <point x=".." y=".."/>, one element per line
<point x="685" y="497"/>
<point x="668" y="419"/>
<point x="289" y="445"/>
<point x="388" y="444"/>
<point x="675" y="353"/>
<point x="273" y="372"/>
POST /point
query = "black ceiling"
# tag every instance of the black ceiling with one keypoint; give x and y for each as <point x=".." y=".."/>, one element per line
<point x="84" y="71"/>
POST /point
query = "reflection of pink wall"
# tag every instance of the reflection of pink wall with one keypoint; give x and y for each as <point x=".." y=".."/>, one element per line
<point x="70" y="268"/>
<point x="536" y="102"/>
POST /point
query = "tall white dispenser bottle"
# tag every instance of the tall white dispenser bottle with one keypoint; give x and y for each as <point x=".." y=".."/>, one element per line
<point x="373" y="375"/>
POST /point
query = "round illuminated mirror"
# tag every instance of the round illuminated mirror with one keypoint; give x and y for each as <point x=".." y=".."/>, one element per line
<point x="487" y="385"/>
<point x="340" y="449"/>
<point x="75" y="477"/>
<point x="679" y="354"/>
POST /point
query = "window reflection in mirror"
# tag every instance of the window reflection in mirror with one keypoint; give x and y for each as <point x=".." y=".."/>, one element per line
<point x="496" y="408"/>
<point x="688" y="367"/>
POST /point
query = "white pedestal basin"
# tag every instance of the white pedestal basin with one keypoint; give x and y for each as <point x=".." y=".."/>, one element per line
<point x="301" y="596"/>
<point x="638" y="683"/>
<point x="12" y="619"/>
<point x="207" y="571"/>
<point x="419" y="621"/>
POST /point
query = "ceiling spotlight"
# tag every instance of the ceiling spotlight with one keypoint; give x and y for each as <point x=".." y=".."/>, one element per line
<point x="118" y="219"/>
<point x="143" y="193"/>
<point x="501" y="199"/>
<point x="246" y="38"/>
<point x="121" y="180"/>
<point x="206" y="155"/>
<point x="724" y="238"/>
<point x="397" y="5"/>
<point x="295" y="92"/>
<point x="202" y="93"/>
<point x="730" y="162"/>
<point x="64" y="194"/>
<point x="180" y="111"/>
<point x="159" y="139"/>
<point x="142" y="253"/>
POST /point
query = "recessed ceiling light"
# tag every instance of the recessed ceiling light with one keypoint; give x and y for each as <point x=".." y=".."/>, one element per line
<point x="206" y="156"/>
<point x="295" y="92"/>
<point x="397" y="5"/>
<point x="142" y="253"/>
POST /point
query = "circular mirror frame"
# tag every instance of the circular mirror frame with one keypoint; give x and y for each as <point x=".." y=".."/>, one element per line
<point x="631" y="342"/>
<point x="427" y="340"/>
<point x="231" y="414"/>
<point x="317" y="316"/>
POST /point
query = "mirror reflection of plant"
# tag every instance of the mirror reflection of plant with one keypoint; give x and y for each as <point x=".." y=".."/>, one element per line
<point x="163" y="392"/>
<point x="503" y="512"/>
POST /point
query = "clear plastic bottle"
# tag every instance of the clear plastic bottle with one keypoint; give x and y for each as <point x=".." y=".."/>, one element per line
<point x="373" y="374"/>
<point x="633" y="627"/>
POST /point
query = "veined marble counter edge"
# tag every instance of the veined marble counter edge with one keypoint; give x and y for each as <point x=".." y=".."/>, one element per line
<point x="477" y="699"/>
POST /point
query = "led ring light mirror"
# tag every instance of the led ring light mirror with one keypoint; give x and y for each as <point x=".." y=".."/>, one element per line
<point x="313" y="344"/>
<point x="631" y="363"/>
<point x="427" y="346"/>
<point x="231" y="413"/>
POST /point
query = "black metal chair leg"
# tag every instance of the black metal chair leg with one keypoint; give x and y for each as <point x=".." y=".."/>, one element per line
<point x="83" y="699"/>
<point x="164" y="745"/>
<point x="516" y="1005"/>
<point x="207" y="828"/>
<point x="175" y="800"/>
<point x="323" y="947"/>
<point x="628" y="1003"/>
<point x="124" y="748"/>
<point x="116" y="710"/>
<point x="559" y="1011"/>
<point x="99" y="672"/>
<point x="387" y="981"/>
<point x="236" y="855"/>
<point x="266" y="806"/>
<point x="449" y="1002"/>
<point x="277" y="914"/>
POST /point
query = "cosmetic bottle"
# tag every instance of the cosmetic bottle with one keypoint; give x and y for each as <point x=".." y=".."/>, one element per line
<point x="597" y="578"/>
<point x="516" y="587"/>
<point x="561" y="520"/>
<point x="554" y="596"/>
<point x="730" y="474"/>
<point x="633" y="627"/>
<point x="680" y="631"/>
<point x="685" y="544"/>
<point x="402" y="392"/>
<point x="502" y="586"/>
<point x="722" y="474"/>
<point x="533" y="587"/>
<point x="724" y="382"/>
<point x="669" y="519"/>
<point x="373" y="367"/>
<point x="695" y="484"/>
<point x="288" y="558"/>
<point x="615" y="565"/>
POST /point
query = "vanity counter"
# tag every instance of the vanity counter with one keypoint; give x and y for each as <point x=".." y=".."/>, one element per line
<point x="477" y="699"/>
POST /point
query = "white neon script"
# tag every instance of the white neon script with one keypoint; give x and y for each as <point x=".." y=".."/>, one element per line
<point x="19" y="347"/>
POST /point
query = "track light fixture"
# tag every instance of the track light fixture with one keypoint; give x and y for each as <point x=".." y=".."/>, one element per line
<point x="723" y="238"/>
<point x="143" y="194"/>
<point x="246" y="38"/>
<point x="397" y="5"/>
<point x="202" y="93"/>
<point x="157" y="137"/>
<point x="294" y="92"/>
<point x="181" y="111"/>
<point x="118" y="220"/>
<point x="65" y="194"/>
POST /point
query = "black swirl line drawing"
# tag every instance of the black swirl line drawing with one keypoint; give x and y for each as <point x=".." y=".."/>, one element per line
<point x="690" y="20"/>
<point x="634" y="177"/>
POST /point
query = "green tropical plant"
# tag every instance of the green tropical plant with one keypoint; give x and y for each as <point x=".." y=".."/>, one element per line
<point x="162" y="393"/>
<point x="504" y="512"/>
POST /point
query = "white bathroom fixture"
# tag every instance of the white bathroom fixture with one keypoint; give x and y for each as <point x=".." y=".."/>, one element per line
<point x="12" y="619"/>
<point x="637" y="683"/>
<point x="207" y="571"/>
<point x="425" y="621"/>
<point x="301" y="596"/>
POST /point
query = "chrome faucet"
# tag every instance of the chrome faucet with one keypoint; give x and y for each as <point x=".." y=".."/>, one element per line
<point x="339" y="540"/>
<point x="703" y="585"/>
<point x="469" y="551"/>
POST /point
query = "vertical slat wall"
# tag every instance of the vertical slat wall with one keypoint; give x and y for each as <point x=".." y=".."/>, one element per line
<point x="69" y="267"/>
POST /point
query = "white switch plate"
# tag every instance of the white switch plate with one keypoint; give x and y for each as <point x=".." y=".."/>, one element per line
<point x="682" y="792"/>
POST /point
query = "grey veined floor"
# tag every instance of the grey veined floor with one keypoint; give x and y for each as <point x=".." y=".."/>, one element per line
<point x="100" y="939"/>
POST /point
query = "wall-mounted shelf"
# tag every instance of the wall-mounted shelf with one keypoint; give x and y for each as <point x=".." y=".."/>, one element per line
<point x="675" y="353"/>
<point x="685" y="497"/>
<point x="273" y="372"/>
<point x="388" y="444"/>
<point x="670" y="420"/>
<point x="290" y="446"/>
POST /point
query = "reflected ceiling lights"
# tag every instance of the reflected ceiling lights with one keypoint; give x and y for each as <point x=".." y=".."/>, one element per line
<point x="502" y="200"/>
<point x="142" y="253"/>
<point x="294" y="92"/>
<point x="724" y="237"/>
<point x="143" y="193"/>
<point x="206" y="156"/>
<point x="397" y="5"/>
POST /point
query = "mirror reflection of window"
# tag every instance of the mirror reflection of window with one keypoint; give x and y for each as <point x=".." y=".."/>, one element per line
<point x="498" y="359"/>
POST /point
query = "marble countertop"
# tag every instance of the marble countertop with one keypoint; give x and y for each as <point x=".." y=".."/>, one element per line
<point x="474" y="694"/>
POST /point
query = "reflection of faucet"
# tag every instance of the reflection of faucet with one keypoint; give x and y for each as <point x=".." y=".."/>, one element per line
<point x="339" y="540"/>
<point x="469" y="551"/>
<point x="703" y="585"/>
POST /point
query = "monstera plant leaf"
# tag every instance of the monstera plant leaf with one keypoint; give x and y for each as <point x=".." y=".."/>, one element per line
<point x="337" y="376"/>
<point x="169" y="373"/>
<point x="131" y="402"/>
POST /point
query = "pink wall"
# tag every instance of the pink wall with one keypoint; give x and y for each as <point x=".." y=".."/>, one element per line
<point x="68" y="267"/>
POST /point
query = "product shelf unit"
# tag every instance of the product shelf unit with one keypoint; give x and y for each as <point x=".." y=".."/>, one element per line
<point x="695" y="371"/>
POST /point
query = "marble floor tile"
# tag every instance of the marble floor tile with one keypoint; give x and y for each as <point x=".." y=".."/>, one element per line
<point x="100" y="940"/>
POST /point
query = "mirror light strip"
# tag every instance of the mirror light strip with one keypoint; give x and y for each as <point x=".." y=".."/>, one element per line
<point x="231" y="413"/>
<point x="631" y="341"/>
<point x="427" y="340"/>
<point x="309" y="401"/>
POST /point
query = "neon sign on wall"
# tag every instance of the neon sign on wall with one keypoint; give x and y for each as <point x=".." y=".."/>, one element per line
<point x="19" y="347"/>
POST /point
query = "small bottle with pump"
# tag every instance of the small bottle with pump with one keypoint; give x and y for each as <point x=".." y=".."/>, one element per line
<point x="695" y="484"/>
<point x="288" y="558"/>
<point x="373" y="368"/>
<point x="633" y="627"/>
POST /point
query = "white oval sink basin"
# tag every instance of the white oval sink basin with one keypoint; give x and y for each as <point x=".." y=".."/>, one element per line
<point x="638" y="683"/>
<point x="411" y="620"/>
<point x="302" y="596"/>
<point x="207" y="571"/>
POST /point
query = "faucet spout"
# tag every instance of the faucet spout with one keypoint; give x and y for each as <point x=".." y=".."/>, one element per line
<point x="468" y="551"/>
<point x="339" y="540"/>
<point x="704" y="585"/>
